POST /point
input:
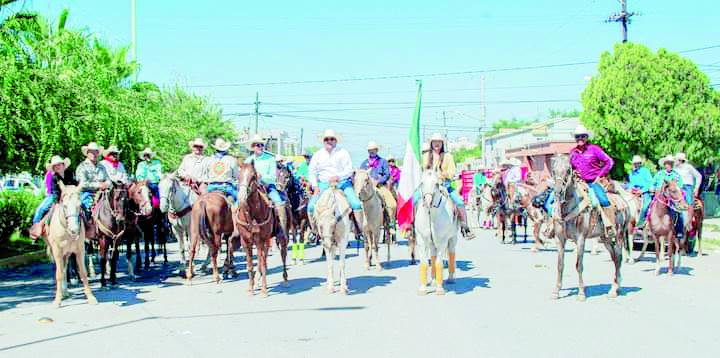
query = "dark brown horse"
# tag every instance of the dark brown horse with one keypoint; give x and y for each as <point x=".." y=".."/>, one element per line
<point x="150" y="222"/>
<point x="299" y="222"/>
<point x="694" y="235"/>
<point x="109" y="214"/>
<point x="663" y="214"/>
<point x="500" y="208"/>
<point x="211" y="222"/>
<point x="257" y="224"/>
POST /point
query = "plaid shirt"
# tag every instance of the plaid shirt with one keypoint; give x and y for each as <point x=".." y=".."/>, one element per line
<point x="90" y="176"/>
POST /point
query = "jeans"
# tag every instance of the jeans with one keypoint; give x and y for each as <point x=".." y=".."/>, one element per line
<point x="275" y="196"/>
<point x="646" y="200"/>
<point x="43" y="208"/>
<point x="226" y="188"/>
<point x="689" y="191"/>
<point x="549" y="202"/>
<point x="86" y="201"/>
<point x="154" y="189"/>
<point x="600" y="194"/>
<point x="347" y="189"/>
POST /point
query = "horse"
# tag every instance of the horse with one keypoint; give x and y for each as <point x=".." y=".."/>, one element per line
<point x="437" y="231"/>
<point x="150" y="223"/>
<point x="577" y="220"/>
<point x="66" y="237"/>
<point x="694" y="235"/>
<point x="258" y="223"/>
<point x="500" y="209"/>
<point x="111" y="222"/>
<point x="177" y="200"/>
<point x="299" y="220"/>
<point x="211" y="222"/>
<point x="661" y="224"/>
<point x="373" y="215"/>
<point x="334" y="226"/>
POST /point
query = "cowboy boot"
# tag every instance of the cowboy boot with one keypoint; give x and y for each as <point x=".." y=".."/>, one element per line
<point x="608" y="215"/>
<point x="464" y="229"/>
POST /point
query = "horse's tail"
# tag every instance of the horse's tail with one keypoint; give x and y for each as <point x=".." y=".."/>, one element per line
<point x="203" y="229"/>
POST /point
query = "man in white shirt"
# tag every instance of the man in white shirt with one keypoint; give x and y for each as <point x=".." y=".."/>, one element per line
<point x="194" y="166"/>
<point x="691" y="178"/>
<point x="113" y="166"/>
<point x="332" y="165"/>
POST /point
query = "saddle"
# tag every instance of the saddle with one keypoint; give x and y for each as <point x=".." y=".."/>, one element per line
<point x="539" y="200"/>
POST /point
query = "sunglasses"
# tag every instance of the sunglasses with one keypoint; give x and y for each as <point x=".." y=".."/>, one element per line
<point x="582" y="136"/>
<point x="330" y="139"/>
<point x="259" y="145"/>
<point x="198" y="146"/>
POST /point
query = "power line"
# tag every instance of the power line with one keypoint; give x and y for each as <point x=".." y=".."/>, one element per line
<point x="623" y="18"/>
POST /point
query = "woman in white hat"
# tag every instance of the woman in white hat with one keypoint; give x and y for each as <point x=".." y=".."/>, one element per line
<point x="640" y="182"/>
<point x="442" y="162"/>
<point x="692" y="179"/>
<point x="194" y="166"/>
<point x="150" y="170"/>
<point x="55" y="175"/>
<point x="223" y="170"/>
<point x="114" y="167"/>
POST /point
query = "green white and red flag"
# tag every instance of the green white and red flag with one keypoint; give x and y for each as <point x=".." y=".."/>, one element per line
<point x="411" y="170"/>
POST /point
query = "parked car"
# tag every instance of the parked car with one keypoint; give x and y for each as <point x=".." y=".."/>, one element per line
<point x="19" y="184"/>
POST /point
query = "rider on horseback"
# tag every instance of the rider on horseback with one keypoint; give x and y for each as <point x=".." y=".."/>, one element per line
<point x="667" y="175"/>
<point x="512" y="176"/>
<point x="640" y="182"/>
<point x="690" y="176"/>
<point x="266" y="167"/>
<point x="379" y="173"/>
<point x="394" y="172"/>
<point x="332" y="165"/>
<point x="194" y="167"/>
<point x="443" y="164"/>
<point x="115" y="169"/>
<point x="92" y="177"/>
<point x="223" y="170"/>
<point x="149" y="170"/>
<point x="591" y="164"/>
<point x="55" y="175"/>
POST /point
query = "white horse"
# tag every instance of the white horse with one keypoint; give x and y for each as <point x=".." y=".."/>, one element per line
<point x="333" y="224"/>
<point x="436" y="229"/>
<point x="177" y="200"/>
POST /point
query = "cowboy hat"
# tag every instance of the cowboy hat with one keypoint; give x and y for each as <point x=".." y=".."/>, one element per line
<point x="112" y="149"/>
<point x="637" y="160"/>
<point x="197" y="142"/>
<point x="515" y="162"/>
<point x="372" y="145"/>
<point x="505" y="162"/>
<point x="221" y="145"/>
<point x="256" y="138"/>
<point x="437" y="137"/>
<point x="681" y="157"/>
<point x="56" y="159"/>
<point x="279" y="158"/>
<point x="390" y="158"/>
<point x="580" y="130"/>
<point x="145" y="152"/>
<point x="329" y="133"/>
<point x="91" y="146"/>
<point x="666" y="159"/>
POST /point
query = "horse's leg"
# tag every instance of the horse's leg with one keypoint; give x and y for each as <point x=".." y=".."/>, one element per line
<point x="216" y="244"/>
<point x="283" y="255"/>
<point x="128" y="258"/>
<point x="262" y="264"/>
<point x="146" y="240"/>
<point x="136" y="239"/>
<point x="376" y="248"/>
<point x="451" y="266"/>
<point x="114" y="262"/>
<point x="615" y="251"/>
<point x="83" y="275"/>
<point x="329" y="258"/>
<point x="560" y="266"/>
<point x="103" y="259"/>
<point x="193" y="250"/>
<point x="579" y="267"/>
<point x="367" y="246"/>
<point x="247" y="245"/>
<point x="672" y="251"/>
<point x="343" y="277"/>
<point x="90" y="254"/>
<point x="438" y="268"/>
<point x="59" y="276"/>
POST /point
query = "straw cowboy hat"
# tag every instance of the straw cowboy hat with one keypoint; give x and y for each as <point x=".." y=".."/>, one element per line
<point x="580" y="130"/>
<point x="145" y="152"/>
<point x="666" y="159"/>
<point x="197" y="142"/>
<point x="437" y="137"/>
<point x="56" y="159"/>
<point x="91" y="146"/>
<point x="637" y="160"/>
<point x="515" y="162"/>
<point x="330" y="133"/>
<point x="279" y="158"/>
<point x="681" y="157"/>
<point x="372" y="145"/>
<point x="112" y="149"/>
<point x="221" y="145"/>
<point x="256" y="138"/>
<point x="505" y="162"/>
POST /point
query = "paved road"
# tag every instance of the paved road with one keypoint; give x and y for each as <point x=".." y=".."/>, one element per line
<point x="499" y="307"/>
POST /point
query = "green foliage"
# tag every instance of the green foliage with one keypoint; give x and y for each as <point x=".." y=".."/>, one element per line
<point x="16" y="211"/>
<point x="651" y="104"/>
<point x="513" y="123"/>
<point x="60" y="89"/>
<point x="568" y="113"/>
<point x="461" y="154"/>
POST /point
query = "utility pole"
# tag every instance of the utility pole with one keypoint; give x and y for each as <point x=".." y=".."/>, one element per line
<point x="482" y="122"/>
<point x="445" y="125"/>
<point x="257" y="111"/>
<point x="133" y="37"/>
<point x="302" y="133"/>
<point x="623" y="18"/>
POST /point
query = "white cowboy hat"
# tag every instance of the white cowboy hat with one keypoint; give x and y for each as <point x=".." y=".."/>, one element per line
<point x="515" y="162"/>
<point x="256" y="138"/>
<point x="279" y="158"/>
<point x="437" y="137"/>
<point x="580" y="130"/>
<point x="666" y="159"/>
<point x="197" y="142"/>
<point x="637" y="160"/>
<point x="505" y="162"/>
<point x="91" y="146"/>
<point x="372" y="145"/>
<point x="681" y="157"/>
<point x="112" y="149"/>
<point x="221" y="145"/>
<point x="146" y="151"/>
<point x="330" y="133"/>
<point x="56" y="159"/>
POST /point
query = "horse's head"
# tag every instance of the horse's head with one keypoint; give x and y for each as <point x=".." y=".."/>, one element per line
<point x="429" y="186"/>
<point x="247" y="182"/>
<point x="118" y="201"/>
<point x="139" y="193"/>
<point x="562" y="173"/>
<point x="70" y="204"/>
<point x="284" y="178"/>
<point x="167" y="187"/>
<point x="671" y="190"/>
<point x="364" y="185"/>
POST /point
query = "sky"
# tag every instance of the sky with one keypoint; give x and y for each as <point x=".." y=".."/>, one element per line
<point x="229" y="50"/>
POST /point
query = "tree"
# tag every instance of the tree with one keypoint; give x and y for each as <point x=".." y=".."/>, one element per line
<point x="652" y="104"/>
<point x="513" y="123"/>
<point x="461" y="154"/>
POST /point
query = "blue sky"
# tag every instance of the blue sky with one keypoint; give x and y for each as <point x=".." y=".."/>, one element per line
<point x="195" y="44"/>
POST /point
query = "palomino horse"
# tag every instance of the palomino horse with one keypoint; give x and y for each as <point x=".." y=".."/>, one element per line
<point x="576" y="220"/>
<point x="373" y="215"/>
<point x="257" y="224"/>
<point x="211" y="222"/>
<point x="437" y="231"/>
<point x="333" y="224"/>
<point x="298" y="201"/>
<point x="661" y="224"/>
<point x="177" y="200"/>
<point x="66" y="236"/>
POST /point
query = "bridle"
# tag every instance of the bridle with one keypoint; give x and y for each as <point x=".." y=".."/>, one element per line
<point x="367" y="188"/>
<point x="65" y="216"/>
<point x="433" y="195"/>
<point x="251" y="187"/>
<point x="174" y="183"/>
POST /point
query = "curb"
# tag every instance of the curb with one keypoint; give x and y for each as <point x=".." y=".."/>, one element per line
<point x="24" y="259"/>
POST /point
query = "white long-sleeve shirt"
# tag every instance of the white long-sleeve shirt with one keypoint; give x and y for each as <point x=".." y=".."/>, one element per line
<point x="689" y="175"/>
<point x="513" y="175"/>
<point x="325" y="165"/>
<point x="117" y="175"/>
<point x="194" y="167"/>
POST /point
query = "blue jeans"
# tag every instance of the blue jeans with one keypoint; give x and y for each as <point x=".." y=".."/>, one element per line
<point x="275" y="196"/>
<point x="689" y="191"/>
<point x="154" y="189"/>
<point x="600" y="194"/>
<point x="347" y="189"/>
<point x="548" y="203"/>
<point x="86" y="201"/>
<point x="43" y="208"/>
<point x="225" y="188"/>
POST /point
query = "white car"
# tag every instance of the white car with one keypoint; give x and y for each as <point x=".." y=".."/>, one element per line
<point x="20" y="184"/>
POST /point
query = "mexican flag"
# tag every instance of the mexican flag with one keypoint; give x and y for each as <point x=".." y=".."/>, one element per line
<point x="410" y="174"/>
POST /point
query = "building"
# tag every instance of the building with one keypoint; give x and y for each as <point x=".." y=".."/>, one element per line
<point x="276" y="141"/>
<point x="461" y="143"/>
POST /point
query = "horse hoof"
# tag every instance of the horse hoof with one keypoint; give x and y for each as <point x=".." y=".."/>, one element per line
<point x="285" y="284"/>
<point x="440" y="291"/>
<point x="378" y="268"/>
<point x="554" y="296"/>
<point x="422" y="291"/>
<point x="344" y="291"/>
<point x="57" y="303"/>
<point x="581" y="298"/>
<point x="92" y="300"/>
<point x="533" y="249"/>
<point x="330" y="291"/>
<point x="613" y="294"/>
<point x="264" y="294"/>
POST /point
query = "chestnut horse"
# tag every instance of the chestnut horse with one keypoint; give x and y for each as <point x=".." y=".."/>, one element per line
<point x="668" y="201"/>
<point x="211" y="222"/>
<point x="257" y="224"/>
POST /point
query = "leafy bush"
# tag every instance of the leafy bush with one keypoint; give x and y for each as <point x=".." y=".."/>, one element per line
<point x="16" y="211"/>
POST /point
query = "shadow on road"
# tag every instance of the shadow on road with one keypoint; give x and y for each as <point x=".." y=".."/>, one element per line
<point x="601" y="290"/>
<point x="465" y="285"/>
<point x="297" y="285"/>
<point x="362" y="284"/>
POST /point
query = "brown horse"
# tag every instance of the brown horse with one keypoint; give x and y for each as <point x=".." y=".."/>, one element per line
<point x="669" y="201"/>
<point x="257" y="224"/>
<point x="500" y="209"/>
<point x="694" y="235"/>
<point x="149" y="221"/>
<point x="299" y="222"/>
<point x="109" y="214"/>
<point x="211" y="222"/>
